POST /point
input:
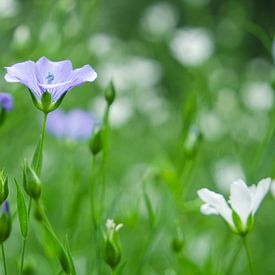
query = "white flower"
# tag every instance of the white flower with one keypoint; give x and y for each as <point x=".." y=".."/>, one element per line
<point x="112" y="227"/>
<point x="243" y="203"/>
<point x="192" y="46"/>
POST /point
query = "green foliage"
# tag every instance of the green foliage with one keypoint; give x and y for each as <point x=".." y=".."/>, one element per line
<point x="22" y="210"/>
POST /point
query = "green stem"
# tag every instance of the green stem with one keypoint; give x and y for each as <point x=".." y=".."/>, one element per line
<point x="37" y="169"/>
<point x="40" y="150"/>
<point x="113" y="271"/>
<point x="94" y="213"/>
<point x="24" y="241"/>
<point x="4" y="258"/>
<point x="248" y="255"/>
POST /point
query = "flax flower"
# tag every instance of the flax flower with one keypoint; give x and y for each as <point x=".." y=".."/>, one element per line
<point x="243" y="204"/>
<point x="49" y="81"/>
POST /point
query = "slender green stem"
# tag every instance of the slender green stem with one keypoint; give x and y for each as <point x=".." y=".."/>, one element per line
<point x="37" y="169"/>
<point x="4" y="258"/>
<point x="113" y="271"/>
<point x="41" y="144"/>
<point x="248" y="255"/>
<point x="94" y="213"/>
<point x="24" y="242"/>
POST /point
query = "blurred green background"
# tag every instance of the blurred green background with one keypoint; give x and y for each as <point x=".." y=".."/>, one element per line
<point x="194" y="108"/>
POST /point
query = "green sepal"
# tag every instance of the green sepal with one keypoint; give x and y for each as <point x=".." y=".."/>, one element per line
<point x="111" y="253"/>
<point x="238" y="223"/>
<point x="112" y="248"/>
<point x="4" y="187"/>
<point x="46" y="100"/>
<point x="57" y="103"/>
<point x="36" y="103"/>
<point x="110" y="93"/>
<point x="250" y="223"/>
<point x="22" y="210"/>
<point x="46" y="106"/>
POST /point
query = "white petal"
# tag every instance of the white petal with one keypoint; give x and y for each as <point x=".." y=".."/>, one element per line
<point x="272" y="187"/>
<point x="217" y="202"/>
<point x="261" y="191"/>
<point x="241" y="200"/>
<point x="207" y="209"/>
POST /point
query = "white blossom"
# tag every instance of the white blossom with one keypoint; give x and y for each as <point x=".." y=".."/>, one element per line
<point x="243" y="203"/>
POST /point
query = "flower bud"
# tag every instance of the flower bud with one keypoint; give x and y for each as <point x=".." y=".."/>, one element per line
<point x="4" y="188"/>
<point x="5" y="222"/>
<point x="110" y="94"/>
<point x="111" y="244"/>
<point x="177" y="241"/>
<point x="97" y="141"/>
<point x="31" y="182"/>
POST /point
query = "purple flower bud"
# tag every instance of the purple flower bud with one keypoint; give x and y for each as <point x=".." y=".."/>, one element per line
<point x="6" y="101"/>
<point x="75" y="125"/>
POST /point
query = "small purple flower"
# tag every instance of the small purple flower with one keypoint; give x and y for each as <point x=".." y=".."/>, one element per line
<point x="6" y="101"/>
<point x="6" y="207"/>
<point x="75" y="125"/>
<point x="43" y="76"/>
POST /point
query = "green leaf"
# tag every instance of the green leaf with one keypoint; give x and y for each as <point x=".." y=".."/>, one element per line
<point x="69" y="255"/>
<point x="120" y="268"/>
<point x="149" y="208"/>
<point x="22" y="210"/>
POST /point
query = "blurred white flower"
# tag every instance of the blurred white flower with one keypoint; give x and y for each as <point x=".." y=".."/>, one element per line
<point x="211" y="125"/>
<point x="227" y="102"/>
<point x="243" y="203"/>
<point x="8" y="8"/>
<point x="21" y="35"/>
<point x="159" y="19"/>
<point x="258" y="96"/>
<point x="135" y="72"/>
<point x="192" y="46"/>
<point x="101" y="44"/>
<point x="72" y="26"/>
<point x="225" y="172"/>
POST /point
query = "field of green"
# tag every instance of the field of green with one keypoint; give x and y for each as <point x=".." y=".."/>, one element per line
<point x="194" y="108"/>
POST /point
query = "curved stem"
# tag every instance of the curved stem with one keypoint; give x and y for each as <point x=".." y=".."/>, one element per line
<point x="4" y="259"/>
<point x="248" y="255"/>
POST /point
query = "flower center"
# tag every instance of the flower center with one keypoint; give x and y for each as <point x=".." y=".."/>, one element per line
<point x="50" y="78"/>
